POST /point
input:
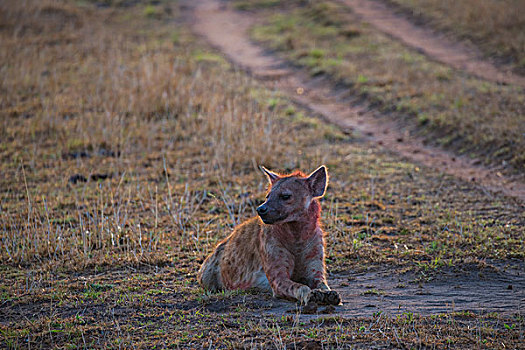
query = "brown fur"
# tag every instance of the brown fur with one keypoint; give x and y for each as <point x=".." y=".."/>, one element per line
<point x="282" y="249"/>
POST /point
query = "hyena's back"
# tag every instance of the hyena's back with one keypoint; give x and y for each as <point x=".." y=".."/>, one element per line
<point x="236" y="262"/>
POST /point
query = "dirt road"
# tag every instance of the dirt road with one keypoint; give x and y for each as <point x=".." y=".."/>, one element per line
<point x="227" y="29"/>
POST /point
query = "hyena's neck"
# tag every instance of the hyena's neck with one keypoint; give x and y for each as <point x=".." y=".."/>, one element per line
<point x="306" y="227"/>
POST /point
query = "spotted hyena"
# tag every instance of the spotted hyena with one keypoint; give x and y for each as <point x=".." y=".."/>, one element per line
<point x="281" y="249"/>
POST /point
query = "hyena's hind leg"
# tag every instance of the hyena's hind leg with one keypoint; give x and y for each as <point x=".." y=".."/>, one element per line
<point x="209" y="275"/>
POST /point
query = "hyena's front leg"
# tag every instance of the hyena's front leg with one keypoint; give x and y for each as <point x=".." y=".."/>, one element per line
<point x="316" y="276"/>
<point x="278" y="264"/>
<point x="324" y="297"/>
<point x="315" y="271"/>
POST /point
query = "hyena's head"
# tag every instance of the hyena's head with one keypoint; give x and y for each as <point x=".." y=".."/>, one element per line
<point x="289" y="196"/>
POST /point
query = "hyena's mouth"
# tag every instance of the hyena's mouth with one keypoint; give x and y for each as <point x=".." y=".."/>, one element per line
<point x="270" y="220"/>
<point x="267" y="221"/>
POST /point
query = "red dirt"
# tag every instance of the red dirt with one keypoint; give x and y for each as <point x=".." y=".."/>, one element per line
<point x="226" y="29"/>
<point x="434" y="45"/>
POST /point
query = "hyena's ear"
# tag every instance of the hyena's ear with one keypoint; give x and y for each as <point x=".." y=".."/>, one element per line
<point x="318" y="180"/>
<point x="272" y="177"/>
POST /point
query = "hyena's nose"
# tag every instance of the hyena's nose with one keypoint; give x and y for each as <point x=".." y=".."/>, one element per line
<point x="262" y="209"/>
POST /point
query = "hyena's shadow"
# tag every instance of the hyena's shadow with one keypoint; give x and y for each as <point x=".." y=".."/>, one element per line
<point x="256" y="303"/>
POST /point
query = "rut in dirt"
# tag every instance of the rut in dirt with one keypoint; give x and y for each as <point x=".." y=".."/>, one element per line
<point x="375" y="291"/>
<point x="433" y="45"/>
<point x="227" y="30"/>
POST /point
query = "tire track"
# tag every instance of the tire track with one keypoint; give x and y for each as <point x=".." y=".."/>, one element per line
<point x="227" y="30"/>
<point x="433" y="45"/>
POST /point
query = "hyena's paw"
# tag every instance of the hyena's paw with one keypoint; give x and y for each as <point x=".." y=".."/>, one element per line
<point x="325" y="297"/>
<point x="302" y="294"/>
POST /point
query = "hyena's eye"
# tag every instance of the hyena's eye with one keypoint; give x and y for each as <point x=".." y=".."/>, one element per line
<point x="285" y="196"/>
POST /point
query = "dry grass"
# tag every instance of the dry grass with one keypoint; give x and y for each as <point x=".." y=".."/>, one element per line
<point x="167" y="136"/>
<point x="127" y="143"/>
<point x="82" y="96"/>
<point x="155" y="307"/>
<point x="498" y="27"/>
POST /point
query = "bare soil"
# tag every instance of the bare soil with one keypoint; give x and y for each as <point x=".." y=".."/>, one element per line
<point x="227" y="29"/>
<point x="452" y="291"/>
<point x="386" y="291"/>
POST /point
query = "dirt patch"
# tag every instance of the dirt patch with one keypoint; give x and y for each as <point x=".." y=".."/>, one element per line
<point x="227" y="29"/>
<point x="475" y="290"/>
<point x="389" y="292"/>
<point x="435" y="46"/>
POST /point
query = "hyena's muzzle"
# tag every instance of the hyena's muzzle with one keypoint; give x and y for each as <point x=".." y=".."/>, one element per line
<point x="269" y="215"/>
